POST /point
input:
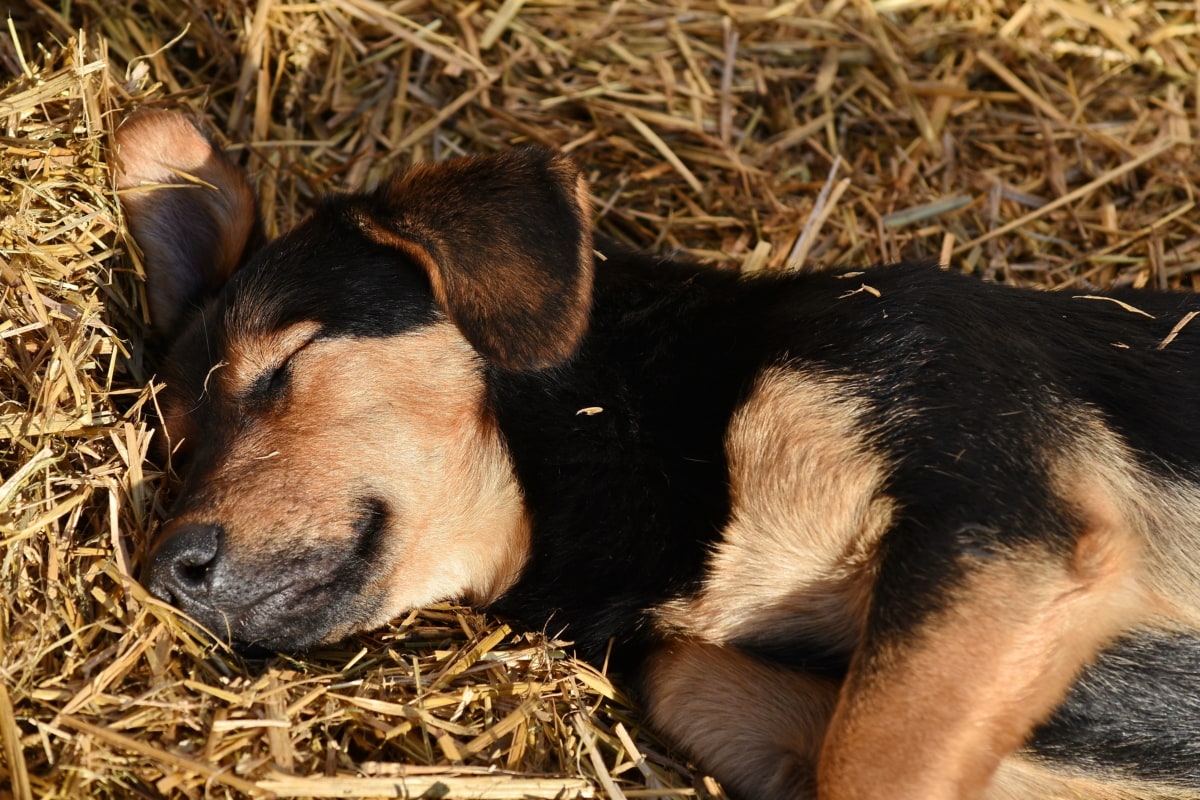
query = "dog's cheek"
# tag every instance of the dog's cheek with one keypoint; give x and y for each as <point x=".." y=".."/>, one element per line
<point x="415" y="433"/>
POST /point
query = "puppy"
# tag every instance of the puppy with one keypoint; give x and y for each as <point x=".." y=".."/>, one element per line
<point x="893" y="533"/>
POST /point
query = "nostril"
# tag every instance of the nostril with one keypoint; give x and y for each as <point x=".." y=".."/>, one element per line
<point x="192" y="573"/>
<point x="192" y="569"/>
<point x="181" y="569"/>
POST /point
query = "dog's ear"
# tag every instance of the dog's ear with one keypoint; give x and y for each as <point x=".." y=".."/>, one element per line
<point x="506" y="242"/>
<point x="191" y="211"/>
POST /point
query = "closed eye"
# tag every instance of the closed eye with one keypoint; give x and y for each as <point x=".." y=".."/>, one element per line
<point x="272" y="385"/>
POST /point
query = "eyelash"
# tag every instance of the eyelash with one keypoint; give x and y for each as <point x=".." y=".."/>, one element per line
<point x="280" y="377"/>
<point x="271" y="386"/>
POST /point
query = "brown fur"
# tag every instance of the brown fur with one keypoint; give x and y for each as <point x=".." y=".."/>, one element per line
<point x="1019" y="778"/>
<point x="1021" y="627"/>
<point x="1096" y="470"/>
<point x="759" y="726"/>
<point x="938" y="697"/>
<point x="478" y="238"/>
<point x="428" y="450"/>
<point x="805" y="481"/>
<point x="253" y="354"/>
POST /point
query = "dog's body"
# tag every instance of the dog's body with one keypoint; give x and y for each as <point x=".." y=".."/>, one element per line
<point x="894" y="533"/>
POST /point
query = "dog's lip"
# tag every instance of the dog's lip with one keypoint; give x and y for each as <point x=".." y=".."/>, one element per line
<point x="240" y="613"/>
<point x="287" y="615"/>
<point x="297" y="598"/>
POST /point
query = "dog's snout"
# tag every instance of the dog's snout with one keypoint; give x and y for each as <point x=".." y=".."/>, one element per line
<point x="181" y="569"/>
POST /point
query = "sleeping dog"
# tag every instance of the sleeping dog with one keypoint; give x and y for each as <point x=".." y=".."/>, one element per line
<point x="893" y="533"/>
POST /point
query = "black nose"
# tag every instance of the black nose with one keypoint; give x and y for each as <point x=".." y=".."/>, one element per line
<point x="181" y="569"/>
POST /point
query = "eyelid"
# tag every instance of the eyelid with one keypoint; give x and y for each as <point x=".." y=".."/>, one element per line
<point x="311" y="337"/>
<point x="271" y="383"/>
<point x="303" y="346"/>
<point x="286" y="363"/>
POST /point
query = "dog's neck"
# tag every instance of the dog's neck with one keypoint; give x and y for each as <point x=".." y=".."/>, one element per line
<point x="647" y="365"/>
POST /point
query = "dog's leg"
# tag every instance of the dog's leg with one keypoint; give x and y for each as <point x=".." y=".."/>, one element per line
<point x="929" y="709"/>
<point x="756" y="726"/>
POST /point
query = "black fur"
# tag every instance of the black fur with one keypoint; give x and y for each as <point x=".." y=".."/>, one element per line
<point x="626" y="502"/>
<point x="1133" y="713"/>
<point x="964" y="381"/>
<point x="967" y="384"/>
<point x="968" y="390"/>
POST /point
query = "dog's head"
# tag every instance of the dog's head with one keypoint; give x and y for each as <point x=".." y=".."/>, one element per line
<point x="325" y="401"/>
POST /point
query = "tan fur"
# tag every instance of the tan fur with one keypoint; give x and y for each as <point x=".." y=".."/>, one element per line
<point x="397" y="418"/>
<point x="807" y="510"/>
<point x="934" y="717"/>
<point x="935" y="712"/>
<point x="1020" y="778"/>
<point x="1162" y="513"/>
<point x="757" y="726"/>
<point x="568" y="174"/>
<point x="930" y="717"/>
<point x="795" y="560"/>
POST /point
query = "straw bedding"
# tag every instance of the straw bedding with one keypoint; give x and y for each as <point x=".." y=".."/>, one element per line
<point x="1048" y="142"/>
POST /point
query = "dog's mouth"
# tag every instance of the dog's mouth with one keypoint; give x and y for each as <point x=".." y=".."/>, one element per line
<point x="369" y="525"/>
<point x="266" y="599"/>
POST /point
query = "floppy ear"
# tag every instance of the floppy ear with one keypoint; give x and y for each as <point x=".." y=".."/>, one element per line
<point x="190" y="210"/>
<point x="506" y="242"/>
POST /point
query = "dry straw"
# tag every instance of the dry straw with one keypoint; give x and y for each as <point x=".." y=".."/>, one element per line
<point x="1048" y="141"/>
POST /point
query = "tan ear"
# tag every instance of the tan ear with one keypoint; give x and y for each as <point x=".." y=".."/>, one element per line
<point x="506" y="242"/>
<point x="191" y="211"/>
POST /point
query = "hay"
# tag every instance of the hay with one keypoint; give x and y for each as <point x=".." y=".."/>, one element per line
<point x="1047" y="141"/>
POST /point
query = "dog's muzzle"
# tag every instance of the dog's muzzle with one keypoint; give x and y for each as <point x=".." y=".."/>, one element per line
<point x="264" y="601"/>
